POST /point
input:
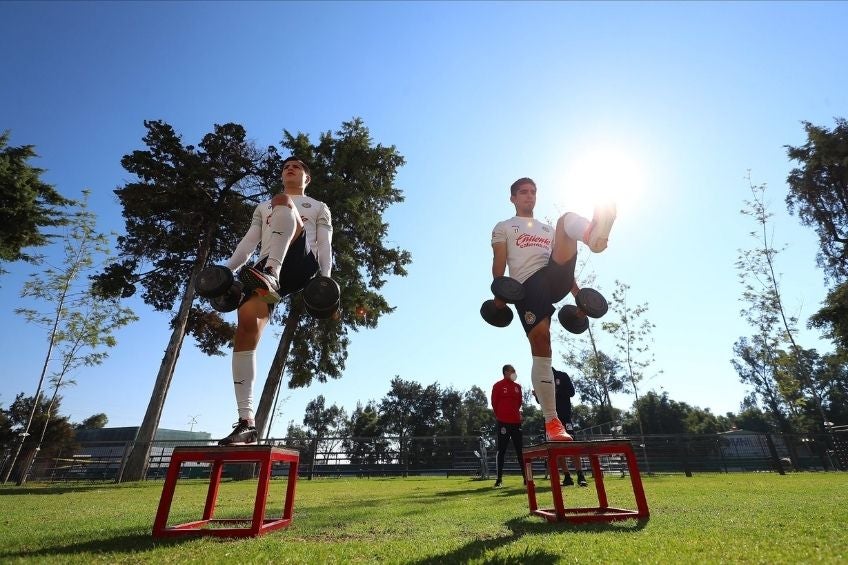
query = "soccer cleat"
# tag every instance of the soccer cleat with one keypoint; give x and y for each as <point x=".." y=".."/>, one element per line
<point x="497" y="483"/>
<point x="555" y="431"/>
<point x="567" y="481"/>
<point x="581" y="480"/>
<point x="599" y="229"/>
<point x="242" y="434"/>
<point x="265" y="285"/>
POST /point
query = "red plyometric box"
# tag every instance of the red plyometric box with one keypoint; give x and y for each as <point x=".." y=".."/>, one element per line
<point x="593" y="450"/>
<point x="264" y="455"/>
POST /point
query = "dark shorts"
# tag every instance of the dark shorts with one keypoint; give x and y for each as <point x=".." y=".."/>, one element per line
<point x="543" y="289"/>
<point x="299" y="266"/>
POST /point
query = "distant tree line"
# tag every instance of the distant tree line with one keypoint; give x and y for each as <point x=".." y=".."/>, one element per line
<point x="52" y="433"/>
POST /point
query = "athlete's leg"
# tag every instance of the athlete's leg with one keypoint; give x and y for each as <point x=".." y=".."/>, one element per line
<point x="572" y="227"/>
<point x="518" y="444"/>
<point x="286" y="225"/>
<point x="503" y="444"/>
<point x="252" y="318"/>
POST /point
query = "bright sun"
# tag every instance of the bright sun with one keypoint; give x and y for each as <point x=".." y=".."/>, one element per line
<point x="602" y="172"/>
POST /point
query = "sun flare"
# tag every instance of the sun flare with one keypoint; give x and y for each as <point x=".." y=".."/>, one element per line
<point x="601" y="173"/>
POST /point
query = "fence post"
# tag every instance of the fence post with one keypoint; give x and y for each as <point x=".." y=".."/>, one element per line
<point x="721" y="453"/>
<point x="484" y="459"/>
<point x="313" y="448"/>
<point x="774" y="458"/>
<point x="127" y="448"/>
<point x="684" y="452"/>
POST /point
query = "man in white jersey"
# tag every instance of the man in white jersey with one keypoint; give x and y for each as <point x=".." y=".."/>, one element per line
<point x="543" y="258"/>
<point x="294" y="233"/>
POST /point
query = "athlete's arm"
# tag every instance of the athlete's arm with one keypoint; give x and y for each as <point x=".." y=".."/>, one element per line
<point x="499" y="259"/>
<point x="324" y="235"/>
<point x="248" y="243"/>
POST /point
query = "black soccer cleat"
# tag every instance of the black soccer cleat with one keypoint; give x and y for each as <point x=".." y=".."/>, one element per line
<point x="242" y="434"/>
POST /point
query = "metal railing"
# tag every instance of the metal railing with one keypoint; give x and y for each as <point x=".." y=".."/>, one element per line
<point x="472" y="456"/>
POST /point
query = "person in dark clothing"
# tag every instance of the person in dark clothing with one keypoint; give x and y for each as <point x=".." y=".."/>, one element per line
<point x="506" y="402"/>
<point x="564" y="391"/>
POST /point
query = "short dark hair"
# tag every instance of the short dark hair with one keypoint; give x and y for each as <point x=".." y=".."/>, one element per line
<point x="299" y="160"/>
<point x="507" y="368"/>
<point x="523" y="180"/>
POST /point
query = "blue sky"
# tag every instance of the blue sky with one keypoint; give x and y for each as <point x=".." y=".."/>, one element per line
<point x="686" y="97"/>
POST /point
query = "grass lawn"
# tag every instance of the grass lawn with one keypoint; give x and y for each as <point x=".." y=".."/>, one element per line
<point x="709" y="518"/>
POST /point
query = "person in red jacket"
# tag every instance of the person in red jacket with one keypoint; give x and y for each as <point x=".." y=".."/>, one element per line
<point x="506" y="402"/>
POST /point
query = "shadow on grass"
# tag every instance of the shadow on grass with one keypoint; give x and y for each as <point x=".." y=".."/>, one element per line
<point x="122" y="544"/>
<point x="519" y="527"/>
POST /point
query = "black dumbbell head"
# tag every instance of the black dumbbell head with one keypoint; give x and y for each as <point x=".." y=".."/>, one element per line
<point x="592" y="302"/>
<point x="213" y="281"/>
<point x="228" y="301"/>
<point x="571" y="320"/>
<point x="508" y="289"/>
<point x="321" y="297"/>
<point x="498" y="317"/>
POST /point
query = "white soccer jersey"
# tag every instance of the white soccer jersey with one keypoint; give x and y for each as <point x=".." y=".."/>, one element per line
<point x="528" y="245"/>
<point x="317" y="224"/>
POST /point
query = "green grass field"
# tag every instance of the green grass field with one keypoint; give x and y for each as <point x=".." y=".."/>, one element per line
<point x="736" y="518"/>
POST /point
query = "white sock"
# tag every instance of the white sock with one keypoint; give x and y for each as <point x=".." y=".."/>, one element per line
<point x="244" y="373"/>
<point x="284" y="222"/>
<point x="542" y="378"/>
<point x="575" y="226"/>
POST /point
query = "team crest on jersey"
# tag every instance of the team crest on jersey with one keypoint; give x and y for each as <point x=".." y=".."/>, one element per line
<point x="306" y="205"/>
<point x="503" y="430"/>
<point x="517" y="388"/>
<point x="529" y="318"/>
<point x="546" y="229"/>
<point x="515" y="229"/>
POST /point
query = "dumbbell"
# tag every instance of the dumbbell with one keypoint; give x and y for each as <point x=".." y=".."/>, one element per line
<point x="218" y="284"/>
<point x="590" y="303"/>
<point x="322" y="296"/>
<point x="510" y="291"/>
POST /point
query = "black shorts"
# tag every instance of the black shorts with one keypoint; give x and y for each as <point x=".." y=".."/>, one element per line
<point x="542" y="290"/>
<point x="299" y="266"/>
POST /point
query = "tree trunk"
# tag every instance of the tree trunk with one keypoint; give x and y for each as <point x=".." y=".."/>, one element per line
<point x="136" y="466"/>
<point x="278" y="365"/>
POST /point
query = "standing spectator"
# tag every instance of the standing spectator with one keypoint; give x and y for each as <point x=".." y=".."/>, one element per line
<point x="564" y="391"/>
<point x="506" y="402"/>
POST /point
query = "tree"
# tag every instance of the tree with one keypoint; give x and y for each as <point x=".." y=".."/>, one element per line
<point x="480" y="419"/>
<point x="818" y="192"/>
<point x="186" y="207"/>
<point x="28" y="411"/>
<point x="167" y="244"/>
<point x="832" y="318"/>
<point x="764" y="310"/>
<point x="322" y="422"/>
<point x="80" y="325"/>
<point x="597" y="376"/>
<point x="93" y="422"/>
<point x="28" y="204"/>
<point x="355" y="178"/>
<point x="661" y="415"/>
<point x="752" y="419"/>
<point x="365" y="445"/>
<point x="633" y="339"/>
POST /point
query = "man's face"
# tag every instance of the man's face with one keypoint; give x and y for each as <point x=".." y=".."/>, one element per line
<point x="293" y="174"/>
<point x="524" y="198"/>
